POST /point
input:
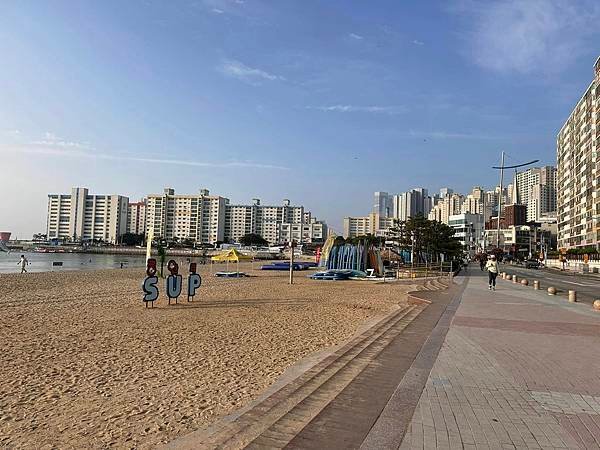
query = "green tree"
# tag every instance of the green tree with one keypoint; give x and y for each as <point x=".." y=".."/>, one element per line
<point x="339" y="240"/>
<point x="426" y="238"/>
<point x="253" y="239"/>
<point x="132" y="239"/>
<point x="366" y="239"/>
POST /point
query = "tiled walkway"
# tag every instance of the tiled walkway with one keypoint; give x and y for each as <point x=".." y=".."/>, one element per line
<point x="518" y="369"/>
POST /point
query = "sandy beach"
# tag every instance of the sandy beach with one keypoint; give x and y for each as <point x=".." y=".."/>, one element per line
<point x="85" y="365"/>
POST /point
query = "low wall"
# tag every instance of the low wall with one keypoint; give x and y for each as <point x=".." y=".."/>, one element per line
<point x="575" y="266"/>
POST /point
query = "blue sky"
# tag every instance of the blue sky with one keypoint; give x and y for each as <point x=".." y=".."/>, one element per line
<point x="322" y="102"/>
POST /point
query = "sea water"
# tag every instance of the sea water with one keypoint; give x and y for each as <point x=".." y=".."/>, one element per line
<point x="43" y="262"/>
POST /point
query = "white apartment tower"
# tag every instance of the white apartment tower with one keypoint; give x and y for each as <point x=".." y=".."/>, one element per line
<point x="536" y="188"/>
<point x="474" y="203"/>
<point x="372" y="224"/>
<point x="446" y="207"/>
<point x="578" y="179"/>
<point x="314" y="231"/>
<point x="80" y="216"/>
<point x="136" y="217"/>
<point x="411" y="203"/>
<point x="265" y="220"/>
<point x="199" y="217"/>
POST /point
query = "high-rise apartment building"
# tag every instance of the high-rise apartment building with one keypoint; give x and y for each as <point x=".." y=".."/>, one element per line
<point x="446" y="207"/>
<point x="445" y="192"/>
<point x="199" y="217"/>
<point x="536" y="189"/>
<point x="372" y="224"/>
<point x="265" y="220"/>
<point x="314" y="231"/>
<point x="474" y="203"/>
<point x="357" y="226"/>
<point x="578" y="180"/>
<point x="411" y="203"/>
<point x="79" y="216"/>
<point x="136" y="217"/>
<point x="382" y="204"/>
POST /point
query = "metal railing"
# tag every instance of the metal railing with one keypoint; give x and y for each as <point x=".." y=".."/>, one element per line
<point x="427" y="270"/>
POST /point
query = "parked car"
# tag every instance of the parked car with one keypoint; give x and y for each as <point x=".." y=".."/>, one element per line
<point x="532" y="264"/>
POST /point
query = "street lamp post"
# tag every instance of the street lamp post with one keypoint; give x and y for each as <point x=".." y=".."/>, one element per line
<point x="501" y="168"/>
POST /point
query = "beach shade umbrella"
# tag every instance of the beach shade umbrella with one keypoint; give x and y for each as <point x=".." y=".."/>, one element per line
<point x="231" y="255"/>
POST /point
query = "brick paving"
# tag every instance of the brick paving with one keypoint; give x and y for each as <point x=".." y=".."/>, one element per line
<point x="518" y="369"/>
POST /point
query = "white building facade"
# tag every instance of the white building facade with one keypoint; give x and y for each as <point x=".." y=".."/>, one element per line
<point x="136" y="217"/>
<point x="269" y="221"/>
<point x="536" y="189"/>
<point x="372" y="224"/>
<point x="470" y="230"/>
<point x="199" y="217"/>
<point x="411" y="204"/>
<point x="578" y="180"/>
<point x="79" y="216"/>
<point x="446" y="207"/>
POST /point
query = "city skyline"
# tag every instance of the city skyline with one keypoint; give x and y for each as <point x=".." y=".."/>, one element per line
<point x="244" y="97"/>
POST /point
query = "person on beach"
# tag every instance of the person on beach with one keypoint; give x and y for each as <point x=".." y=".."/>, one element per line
<point x="23" y="262"/>
<point x="492" y="268"/>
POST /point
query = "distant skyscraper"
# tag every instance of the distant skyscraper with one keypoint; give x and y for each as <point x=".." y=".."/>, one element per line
<point x="411" y="203"/>
<point x="474" y="202"/>
<point x="446" y="207"/>
<point x="445" y="191"/>
<point x="536" y="190"/>
<point x="382" y="204"/>
<point x="578" y="155"/>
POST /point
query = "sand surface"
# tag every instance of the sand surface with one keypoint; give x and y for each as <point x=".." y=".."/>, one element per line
<point x="84" y="365"/>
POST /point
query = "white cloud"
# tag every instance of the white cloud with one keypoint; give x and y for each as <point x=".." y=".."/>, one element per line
<point x="360" y="109"/>
<point x="530" y="36"/>
<point x="251" y="75"/>
<point x="356" y="36"/>
<point x="78" y="153"/>
<point x="417" y="42"/>
<point x="52" y="140"/>
<point x="217" y="11"/>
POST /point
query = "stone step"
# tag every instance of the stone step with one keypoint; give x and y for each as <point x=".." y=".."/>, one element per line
<point x="287" y="410"/>
<point x="286" y="428"/>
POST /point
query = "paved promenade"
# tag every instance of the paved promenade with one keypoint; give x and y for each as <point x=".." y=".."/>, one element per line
<point x="476" y="369"/>
<point x="518" y="369"/>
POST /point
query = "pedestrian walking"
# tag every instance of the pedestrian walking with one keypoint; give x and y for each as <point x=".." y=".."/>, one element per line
<point x="492" y="268"/>
<point x="23" y="263"/>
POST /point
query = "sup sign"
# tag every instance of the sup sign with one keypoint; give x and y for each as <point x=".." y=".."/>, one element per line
<point x="174" y="283"/>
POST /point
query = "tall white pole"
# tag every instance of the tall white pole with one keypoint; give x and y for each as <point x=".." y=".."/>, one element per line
<point x="292" y="264"/>
<point x="500" y="201"/>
